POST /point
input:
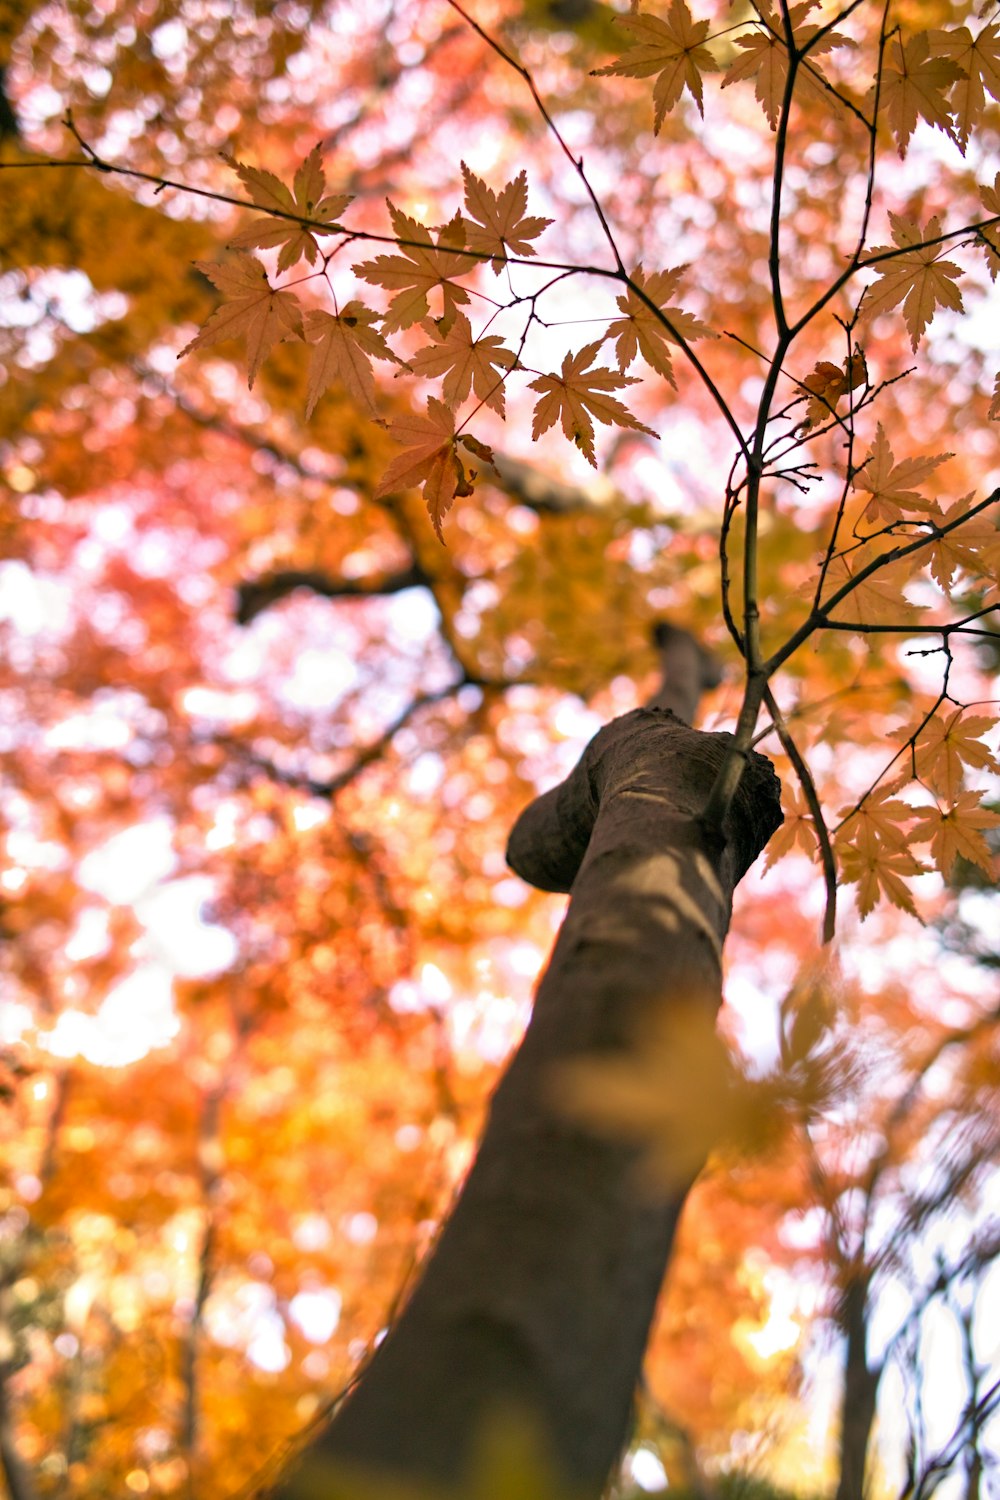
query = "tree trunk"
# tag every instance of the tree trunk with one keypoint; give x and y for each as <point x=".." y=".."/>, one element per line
<point x="542" y="1287"/>
<point x="12" y="1467"/>
<point x="860" y="1391"/>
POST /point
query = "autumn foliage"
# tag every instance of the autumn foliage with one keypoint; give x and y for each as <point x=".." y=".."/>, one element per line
<point x="373" y="378"/>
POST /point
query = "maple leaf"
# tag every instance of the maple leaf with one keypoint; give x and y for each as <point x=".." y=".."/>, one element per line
<point x="306" y="199"/>
<point x="974" y="546"/>
<point x="510" y="1458"/>
<point x="498" y="226"/>
<point x="673" y="49"/>
<point x="827" y="382"/>
<point x="765" y="58"/>
<point x="674" y="1092"/>
<point x="252" y="308"/>
<point x="943" y="747"/>
<point x="466" y="363"/>
<point x="989" y="237"/>
<point x="915" y="276"/>
<point x="798" y="831"/>
<point x="422" y="267"/>
<point x="913" y="87"/>
<point x="978" y="61"/>
<point x="890" y="484"/>
<point x="882" y="873"/>
<point x="641" y="332"/>
<point x="431" y="460"/>
<point x="958" y="831"/>
<point x="994" y="411"/>
<point x="877" y="599"/>
<point x="577" y="393"/>
<point x="872" y="849"/>
<point x="342" y="349"/>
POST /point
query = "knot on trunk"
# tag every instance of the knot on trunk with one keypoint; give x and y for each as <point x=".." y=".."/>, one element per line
<point x="652" y="755"/>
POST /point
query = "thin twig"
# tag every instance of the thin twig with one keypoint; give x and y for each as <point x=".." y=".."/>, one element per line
<point x="811" y="796"/>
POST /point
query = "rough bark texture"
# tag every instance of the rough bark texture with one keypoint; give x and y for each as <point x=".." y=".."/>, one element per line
<point x="543" y="1284"/>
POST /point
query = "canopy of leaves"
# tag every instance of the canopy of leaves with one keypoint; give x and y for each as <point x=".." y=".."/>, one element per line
<point x="264" y="735"/>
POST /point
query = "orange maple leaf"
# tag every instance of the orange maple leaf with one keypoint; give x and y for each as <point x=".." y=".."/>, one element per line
<point x="252" y="308"/>
<point x="673" y="49"/>
<point x="881" y="873"/>
<point x="342" y="349"/>
<point x="973" y="546"/>
<point x="307" y="199"/>
<point x="798" y="831"/>
<point x="765" y="57"/>
<point x="915" y="276"/>
<point x="944" y="747"/>
<point x="499" y="226"/>
<point x="577" y="393"/>
<point x="957" y="831"/>
<point x="913" y="87"/>
<point x="989" y="237"/>
<point x="827" y="382"/>
<point x="431" y="460"/>
<point x="872" y="850"/>
<point x="640" y="331"/>
<point x="875" y="600"/>
<point x="978" y="61"/>
<point x="422" y="267"/>
<point x="466" y="363"/>
<point x="890" y="484"/>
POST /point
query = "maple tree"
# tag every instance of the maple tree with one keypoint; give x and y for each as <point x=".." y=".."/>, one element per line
<point x="762" y="279"/>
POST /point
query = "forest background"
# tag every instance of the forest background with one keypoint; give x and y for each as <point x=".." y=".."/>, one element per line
<point x="264" y="736"/>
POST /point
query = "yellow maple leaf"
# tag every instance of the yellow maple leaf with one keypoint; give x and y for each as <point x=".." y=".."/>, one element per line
<point x="466" y="363"/>
<point x="911" y="271"/>
<point x="765" y="57"/>
<point x="640" y="331"/>
<point x="978" y="61"/>
<point x="422" y="267"/>
<point x="891" y="485"/>
<point x="943" y="747"/>
<point x="307" y="199"/>
<point x="673" y="49"/>
<point x="957" y="831"/>
<point x="674" y="1093"/>
<point x="576" y="394"/>
<point x="342" y="349"/>
<point x="431" y="460"/>
<point x="252" y="309"/>
<point x="499" y="225"/>
<point x="913" y="85"/>
<point x="510" y="1459"/>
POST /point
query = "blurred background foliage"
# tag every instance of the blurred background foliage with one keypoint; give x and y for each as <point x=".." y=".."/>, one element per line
<point x="263" y="737"/>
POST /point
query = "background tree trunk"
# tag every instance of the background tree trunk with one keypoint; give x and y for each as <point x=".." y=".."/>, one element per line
<point x="857" y="1410"/>
<point x="544" y="1281"/>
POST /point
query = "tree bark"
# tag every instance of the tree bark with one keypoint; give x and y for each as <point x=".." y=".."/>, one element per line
<point x="857" y="1412"/>
<point x="12" y="1467"/>
<point x="542" y="1287"/>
